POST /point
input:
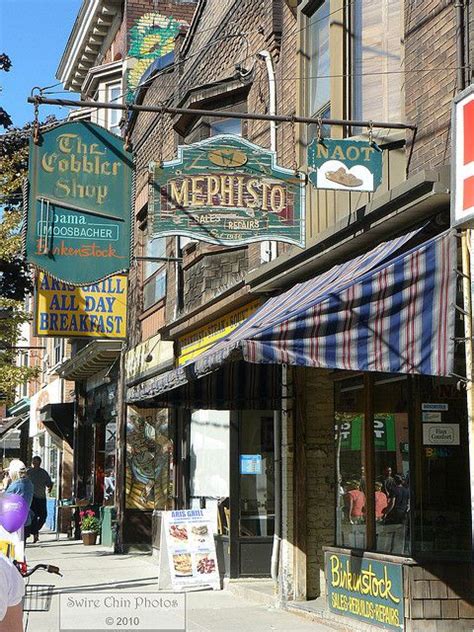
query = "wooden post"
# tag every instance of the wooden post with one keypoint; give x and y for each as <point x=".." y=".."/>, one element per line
<point x="300" y="516"/>
<point x="466" y="245"/>
<point x="368" y="460"/>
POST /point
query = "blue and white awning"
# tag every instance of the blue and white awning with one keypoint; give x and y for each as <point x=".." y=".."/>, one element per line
<point x="372" y="313"/>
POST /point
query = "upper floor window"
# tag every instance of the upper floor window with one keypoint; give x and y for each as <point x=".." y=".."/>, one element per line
<point x="113" y="95"/>
<point x="319" y="61"/>
<point x="377" y="60"/>
<point x="154" y="267"/>
<point x="226" y="126"/>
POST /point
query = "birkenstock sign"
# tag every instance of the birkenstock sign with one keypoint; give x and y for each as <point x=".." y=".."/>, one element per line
<point x="345" y="165"/>
<point x="226" y="190"/>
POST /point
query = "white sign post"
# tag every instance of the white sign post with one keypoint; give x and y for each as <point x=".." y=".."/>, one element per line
<point x="188" y="556"/>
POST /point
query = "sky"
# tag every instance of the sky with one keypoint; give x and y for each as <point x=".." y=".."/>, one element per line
<point x="33" y="33"/>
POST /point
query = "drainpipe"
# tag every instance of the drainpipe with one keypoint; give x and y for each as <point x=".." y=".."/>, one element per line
<point x="459" y="6"/>
<point x="270" y="246"/>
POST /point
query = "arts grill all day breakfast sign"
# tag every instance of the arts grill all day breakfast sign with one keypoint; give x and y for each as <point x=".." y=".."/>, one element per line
<point x="226" y="190"/>
<point x="98" y="310"/>
<point x="79" y="203"/>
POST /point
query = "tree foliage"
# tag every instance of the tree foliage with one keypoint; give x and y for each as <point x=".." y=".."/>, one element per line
<point x="15" y="281"/>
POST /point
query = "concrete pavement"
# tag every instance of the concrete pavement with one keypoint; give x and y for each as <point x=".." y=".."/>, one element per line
<point x="90" y="569"/>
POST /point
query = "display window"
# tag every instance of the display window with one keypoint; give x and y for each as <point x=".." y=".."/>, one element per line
<point x="402" y="465"/>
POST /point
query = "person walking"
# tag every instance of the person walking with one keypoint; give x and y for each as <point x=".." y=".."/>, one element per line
<point x="41" y="482"/>
<point x="21" y="485"/>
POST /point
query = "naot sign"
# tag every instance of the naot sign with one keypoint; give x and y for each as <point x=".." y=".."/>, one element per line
<point x="346" y="165"/>
<point x="226" y="190"/>
<point x="79" y="204"/>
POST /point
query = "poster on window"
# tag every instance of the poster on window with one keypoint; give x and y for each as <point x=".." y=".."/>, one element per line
<point x="149" y="451"/>
<point x="188" y="556"/>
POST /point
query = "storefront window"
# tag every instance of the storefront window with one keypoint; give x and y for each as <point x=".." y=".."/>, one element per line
<point x="416" y="465"/>
<point x="209" y="464"/>
<point x="441" y="507"/>
<point x="350" y="473"/>
<point x="257" y="474"/>
<point x="391" y="483"/>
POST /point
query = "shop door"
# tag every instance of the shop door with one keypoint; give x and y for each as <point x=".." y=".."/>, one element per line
<point x="252" y="493"/>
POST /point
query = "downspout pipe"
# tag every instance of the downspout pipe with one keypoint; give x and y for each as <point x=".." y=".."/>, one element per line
<point x="275" y="559"/>
<point x="267" y="58"/>
<point x="460" y="56"/>
<point x="265" y="55"/>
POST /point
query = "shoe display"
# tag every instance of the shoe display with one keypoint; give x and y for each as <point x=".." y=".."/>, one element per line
<point x="341" y="176"/>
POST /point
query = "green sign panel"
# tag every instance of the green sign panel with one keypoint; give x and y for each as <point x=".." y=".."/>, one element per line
<point x="346" y="165"/>
<point x="384" y="433"/>
<point x="79" y="203"/>
<point x="365" y="589"/>
<point x="226" y="190"/>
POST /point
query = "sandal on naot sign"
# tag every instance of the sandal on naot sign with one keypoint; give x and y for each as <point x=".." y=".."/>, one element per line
<point x="341" y="176"/>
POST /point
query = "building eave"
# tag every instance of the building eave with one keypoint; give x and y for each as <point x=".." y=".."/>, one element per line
<point x="92" y="26"/>
<point x="97" y="355"/>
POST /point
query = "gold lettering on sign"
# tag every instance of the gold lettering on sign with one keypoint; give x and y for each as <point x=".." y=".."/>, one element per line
<point x="224" y="191"/>
<point x="73" y="159"/>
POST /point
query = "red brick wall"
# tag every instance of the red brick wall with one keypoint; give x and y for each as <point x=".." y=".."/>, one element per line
<point x="430" y="80"/>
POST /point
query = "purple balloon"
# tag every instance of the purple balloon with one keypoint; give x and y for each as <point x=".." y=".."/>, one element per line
<point x="13" y="512"/>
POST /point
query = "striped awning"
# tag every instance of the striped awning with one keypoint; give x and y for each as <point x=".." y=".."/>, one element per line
<point x="377" y="312"/>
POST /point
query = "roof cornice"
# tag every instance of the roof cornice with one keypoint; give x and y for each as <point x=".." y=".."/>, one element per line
<point x="91" y="28"/>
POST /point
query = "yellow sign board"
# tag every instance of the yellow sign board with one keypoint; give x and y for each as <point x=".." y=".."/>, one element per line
<point x="196" y="342"/>
<point x="92" y="311"/>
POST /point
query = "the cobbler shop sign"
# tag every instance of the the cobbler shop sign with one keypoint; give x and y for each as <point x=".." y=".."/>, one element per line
<point x="366" y="589"/>
<point x="79" y="203"/>
<point x="226" y="190"/>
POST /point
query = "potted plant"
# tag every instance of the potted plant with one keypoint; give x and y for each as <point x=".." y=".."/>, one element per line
<point x="90" y="526"/>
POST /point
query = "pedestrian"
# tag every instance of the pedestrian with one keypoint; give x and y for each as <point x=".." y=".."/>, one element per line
<point x="41" y="482"/>
<point x="388" y="480"/>
<point x="22" y="486"/>
<point x="381" y="502"/>
<point x="12" y="590"/>
<point x="398" y="503"/>
<point x="355" y="502"/>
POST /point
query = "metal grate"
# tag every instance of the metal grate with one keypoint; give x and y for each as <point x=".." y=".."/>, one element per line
<point x="38" y="598"/>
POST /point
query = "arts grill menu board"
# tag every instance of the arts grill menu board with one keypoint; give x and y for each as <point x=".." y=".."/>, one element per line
<point x="188" y="552"/>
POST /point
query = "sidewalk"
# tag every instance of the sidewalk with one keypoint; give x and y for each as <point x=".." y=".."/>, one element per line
<point x="91" y="569"/>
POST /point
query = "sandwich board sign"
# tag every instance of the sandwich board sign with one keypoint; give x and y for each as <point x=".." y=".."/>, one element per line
<point x="188" y="556"/>
<point x="344" y="165"/>
<point x="78" y="224"/>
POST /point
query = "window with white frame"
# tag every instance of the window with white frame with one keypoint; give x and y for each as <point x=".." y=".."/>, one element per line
<point x="113" y="94"/>
<point x="154" y="266"/>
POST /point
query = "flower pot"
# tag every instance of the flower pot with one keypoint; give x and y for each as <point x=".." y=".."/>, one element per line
<point x="89" y="537"/>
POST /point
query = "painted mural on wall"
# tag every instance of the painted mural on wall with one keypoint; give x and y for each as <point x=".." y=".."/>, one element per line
<point x="152" y="36"/>
<point x="148" y="460"/>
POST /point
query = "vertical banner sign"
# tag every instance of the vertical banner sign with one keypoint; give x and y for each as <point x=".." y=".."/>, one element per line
<point x="90" y="311"/>
<point x="365" y="589"/>
<point x="79" y="203"/>
<point x="345" y="165"/>
<point x="187" y="550"/>
<point x="226" y="190"/>
<point x="462" y="161"/>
